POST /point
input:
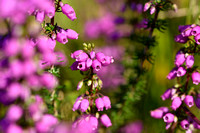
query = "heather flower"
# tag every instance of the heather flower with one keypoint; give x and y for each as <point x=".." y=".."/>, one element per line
<point x="172" y="74"/>
<point x="82" y="66"/>
<point x="96" y="65"/>
<point x="196" y="78"/>
<point x="100" y="57"/>
<point x="51" y="11"/>
<point x="14" y="113"/>
<point x="84" y="105"/>
<point x="168" y="118"/>
<point x="61" y="37"/>
<point x="105" y="120"/>
<point x="189" y="61"/>
<point x="99" y="104"/>
<point x="46" y="123"/>
<point x="82" y="57"/>
<point x="197" y="39"/>
<point x="68" y="11"/>
<point x="152" y="10"/>
<point x="88" y="63"/>
<point x="92" y="54"/>
<point x="197" y="102"/>
<point x="157" y="113"/>
<point x="167" y="94"/>
<point x="48" y="80"/>
<point x="180" y="39"/>
<point x="182" y="28"/>
<point x="181" y="72"/>
<point x="176" y="103"/>
<point x="187" y="32"/>
<point x="134" y="127"/>
<point x="195" y="30"/>
<point x="40" y="16"/>
<point x="74" y="66"/>
<point x="13" y="128"/>
<point x="77" y="103"/>
<point x="94" y="122"/>
<point x="189" y="100"/>
<point x="185" y="124"/>
<point x="106" y="102"/>
<point x="180" y="59"/>
<point x="147" y="6"/>
<point x="71" y="34"/>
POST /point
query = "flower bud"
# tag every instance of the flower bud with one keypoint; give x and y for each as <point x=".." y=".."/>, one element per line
<point x="169" y="118"/>
<point x="99" y="104"/>
<point x="185" y="124"/>
<point x="189" y="100"/>
<point x="105" y="120"/>
<point x="176" y="103"/>
<point x="84" y="105"/>
<point x="80" y="85"/>
<point x="106" y="102"/>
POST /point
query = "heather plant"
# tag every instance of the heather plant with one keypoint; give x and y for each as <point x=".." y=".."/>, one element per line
<point x="92" y="102"/>
<point x="28" y="64"/>
<point x="185" y="93"/>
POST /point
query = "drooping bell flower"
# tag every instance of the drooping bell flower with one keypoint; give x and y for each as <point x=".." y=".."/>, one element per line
<point x="157" y="113"/>
<point x="172" y="74"/>
<point x="168" y="118"/>
<point x="106" y="102"/>
<point x="94" y="122"/>
<point x="40" y="16"/>
<point x="181" y="72"/>
<point x="196" y="78"/>
<point x="167" y="94"/>
<point x="179" y="59"/>
<point x="189" y="100"/>
<point x="189" y="61"/>
<point x="197" y="39"/>
<point x="185" y="124"/>
<point x="77" y="103"/>
<point x="195" y="30"/>
<point x="71" y="34"/>
<point x="99" y="104"/>
<point x="96" y="65"/>
<point x="68" y="11"/>
<point x="146" y="6"/>
<point x="105" y="120"/>
<point x="84" y="105"/>
<point x="176" y="103"/>
<point x="180" y="39"/>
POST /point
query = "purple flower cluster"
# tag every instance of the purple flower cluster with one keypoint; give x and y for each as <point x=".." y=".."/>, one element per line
<point x="92" y="60"/>
<point x="187" y="31"/>
<point x="181" y="94"/>
<point x="182" y="62"/>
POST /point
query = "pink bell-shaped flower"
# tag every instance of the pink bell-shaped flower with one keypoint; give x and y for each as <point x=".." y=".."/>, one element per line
<point x="196" y="78"/>
<point x="68" y="11"/>
<point x="168" y="118"/>
<point x="176" y="103"/>
<point x="106" y="102"/>
<point x="84" y="105"/>
<point x="99" y="104"/>
<point x="105" y="120"/>
<point x="189" y="100"/>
